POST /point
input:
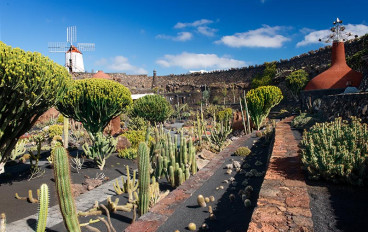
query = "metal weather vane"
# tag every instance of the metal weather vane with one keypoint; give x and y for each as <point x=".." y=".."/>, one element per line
<point x="338" y="33"/>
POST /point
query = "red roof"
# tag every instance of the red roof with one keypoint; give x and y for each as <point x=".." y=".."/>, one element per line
<point x="100" y="74"/>
<point x="339" y="75"/>
<point x="73" y="49"/>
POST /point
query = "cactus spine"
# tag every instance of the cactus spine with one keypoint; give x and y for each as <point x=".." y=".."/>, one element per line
<point x="43" y="200"/>
<point x="63" y="189"/>
<point x="144" y="178"/>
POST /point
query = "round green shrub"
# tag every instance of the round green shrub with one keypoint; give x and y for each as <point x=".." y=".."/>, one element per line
<point x="135" y="137"/>
<point x="153" y="108"/>
<point x="94" y="102"/>
<point x="29" y="85"/>
<point x="260" y="101"/>
<point x="242" y="151"/>
<point x="55" y="130"/>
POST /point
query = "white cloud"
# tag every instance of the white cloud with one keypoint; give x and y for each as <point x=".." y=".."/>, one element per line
<point x="181" y="36"/>
<point x="196" y="61"/>
<point x="265" y="36"/>
<point x="314" y="36"/>
<point x="207" y="31"/>
<point x="193" y="24"/>
<point x="120" y="64"/>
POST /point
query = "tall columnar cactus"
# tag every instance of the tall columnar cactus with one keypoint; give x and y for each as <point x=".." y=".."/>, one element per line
<point x="260" y="102"/>
<point x="144" y="178"/>
<point x="63" y="189"/>
<point x="29" y="85"/>
<point x="43" y="201"/>
<point x="175" y="162"/>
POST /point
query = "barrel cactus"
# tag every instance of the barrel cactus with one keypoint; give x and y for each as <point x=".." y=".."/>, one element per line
<point x="29" y="85"/>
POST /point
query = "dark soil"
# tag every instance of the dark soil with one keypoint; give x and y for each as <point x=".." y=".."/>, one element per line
<point x="15" y="180"/>
<point x="337" y="207"/>
<point x="230" y="214"/>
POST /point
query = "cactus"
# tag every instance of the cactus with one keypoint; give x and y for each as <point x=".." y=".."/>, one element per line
<point x="260" y="101"/>
<point x="174" y="162"/>
<point x="18" y="150"/>
<point x="2" y="222"/>
<point x="101" y="149"/>
<point x="43" y="200"/>
<point x="337" y="151"/>
<point x="129" y="185"/>
<point x="201" y="201"/>
<point x="219" y="133"/>
<point x="63" y="189"/>
<point x="30" y="85"/>
<point x="144" y="178"/>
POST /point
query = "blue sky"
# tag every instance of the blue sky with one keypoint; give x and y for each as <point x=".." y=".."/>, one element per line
<point x="175" y="36"/>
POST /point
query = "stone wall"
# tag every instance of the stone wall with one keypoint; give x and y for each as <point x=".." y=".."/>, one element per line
<point x="314" y="62"/>
<point x="345" y="105"/>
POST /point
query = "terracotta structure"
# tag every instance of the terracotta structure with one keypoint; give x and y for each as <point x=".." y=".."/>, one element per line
<point x="339" y="75"/>
<point x="115" y="123"/>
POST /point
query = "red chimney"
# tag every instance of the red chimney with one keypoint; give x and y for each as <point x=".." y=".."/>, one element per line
<point x="339" y="75"/>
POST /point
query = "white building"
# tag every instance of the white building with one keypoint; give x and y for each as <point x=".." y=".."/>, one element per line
<point x="74" y="59"/>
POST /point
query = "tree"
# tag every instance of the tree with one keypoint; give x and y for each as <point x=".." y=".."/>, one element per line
<point x="296" y="81"/>
<point x="269" y="73"/>
<point x="94" y="102"/>
<point x="153" y="108"/>
<point x="260" y="101"/>
<point x="29" y="85"/>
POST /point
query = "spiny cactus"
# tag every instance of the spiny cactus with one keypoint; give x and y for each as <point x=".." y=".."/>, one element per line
<point x="2" y="222"/>
<point x="43" y="200"/>
<point x="337" y="151"/>
<point x="169" y="159"/>
<point x="201" y="201"/>
<point x="30" y="85"/>
<point x="63" y="189"/>
<point x="144" y="178"/>
<point x="129" y="185"/>
<point x="101" y="149"/>
<point x="19" y="149"/>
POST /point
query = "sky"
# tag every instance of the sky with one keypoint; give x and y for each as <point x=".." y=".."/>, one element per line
<point x="178" y="36"/>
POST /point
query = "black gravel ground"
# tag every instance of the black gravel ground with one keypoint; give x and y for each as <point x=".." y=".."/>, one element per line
<point x="337" y="208"/>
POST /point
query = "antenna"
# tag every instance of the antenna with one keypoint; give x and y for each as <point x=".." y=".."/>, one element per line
<point x="73" y="54"/>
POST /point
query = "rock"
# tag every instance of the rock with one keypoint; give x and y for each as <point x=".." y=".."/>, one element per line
<point x="92" y="183"/>
<point x="123" y="143"/>
<point x="78" y="189"/>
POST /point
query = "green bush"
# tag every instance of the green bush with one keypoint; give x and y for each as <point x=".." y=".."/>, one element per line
<point x="337" y="151"/>
<point x="260" y="101"/>
<point x="135" y="137"/>
<point x="128" y="153"/>
<point x="303" y="121"/>
<point x="136" y="123"/>
<point x="242" y="151"/>
<point x="296" y="81"/>
<point x="55" y="130"/>
<point x="225" y="115"/>
<point x="94" y="102"/>
<point x="153" y="108"/>
<point x="29" y="85"/>
<point x="269" y="73"/>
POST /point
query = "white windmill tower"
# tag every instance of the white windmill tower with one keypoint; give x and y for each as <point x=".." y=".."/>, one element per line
<point x="73" y="54"/>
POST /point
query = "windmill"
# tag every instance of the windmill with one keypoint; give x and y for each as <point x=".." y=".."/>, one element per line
<point x="73" y="54"/>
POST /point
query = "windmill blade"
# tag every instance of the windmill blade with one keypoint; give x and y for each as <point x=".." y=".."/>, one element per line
<point x="86" y="47"/>
<point x="58" y="46"/>
<point x="71" y="34"/>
